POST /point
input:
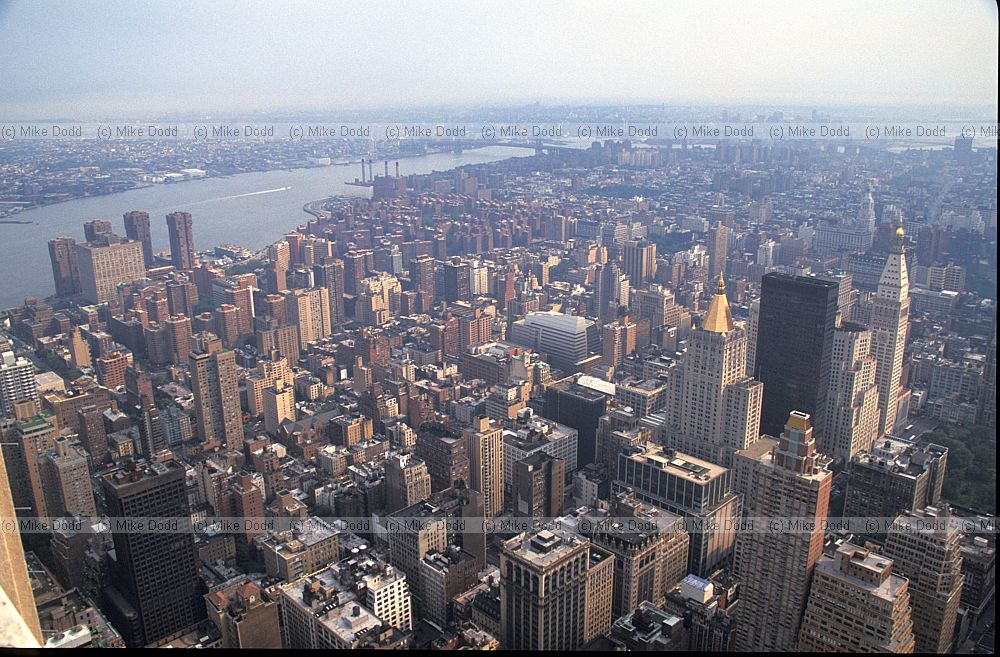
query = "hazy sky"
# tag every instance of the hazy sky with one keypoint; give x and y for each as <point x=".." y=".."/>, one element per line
<point x="119" y="58"/>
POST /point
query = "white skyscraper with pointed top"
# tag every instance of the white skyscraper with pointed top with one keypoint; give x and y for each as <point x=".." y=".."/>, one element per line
<point x="715" y="408"/>
<point x="866" y="214"/>
<point x="890" y="317"/>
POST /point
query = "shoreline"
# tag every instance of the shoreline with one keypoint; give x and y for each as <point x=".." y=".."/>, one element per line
<point x="339" y="163"/>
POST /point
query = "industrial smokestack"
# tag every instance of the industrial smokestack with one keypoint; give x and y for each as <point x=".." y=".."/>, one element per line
<point x="362" y="169"/>
<point x="397" y="168"/>
<point x="387" y="168"/>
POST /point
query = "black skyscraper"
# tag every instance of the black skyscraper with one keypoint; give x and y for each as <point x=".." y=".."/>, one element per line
<point x="579" y="408"/>
<point x="795" y="330"/>
<point x="155" y="590"/>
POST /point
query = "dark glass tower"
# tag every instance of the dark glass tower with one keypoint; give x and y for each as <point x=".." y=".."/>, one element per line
<point x="795" y="331"/>
<point x="155" y="590"/>
<point x="579" y="408"/>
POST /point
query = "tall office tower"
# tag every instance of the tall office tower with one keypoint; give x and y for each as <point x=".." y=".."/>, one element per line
<point x="444" y="335"/>
<point x="689" y="487"/>
<point x="553" y="592"/>
<point x="456" y="280"/>
<point x="717" y="407"/>
<point x="890" y="319"/>
<point x="137" y="230"/>
<point x="178" y="334"/>
<point x="355" y="269"/>
<point x="660" y="307"/>
<point x="105" y="263"/>
<point x="643" y="396"/>
<point x="413" y="533"/>
<point x="226" y="324"/>
<point x="617" y="431"/>
<point x="330" y="276"/>
<point x="17" y="381"/>
<point x="93" y="434"/>
<point x="639" y="262"/>
<point x="926" y="549"/>
<point x="96" y="227"/>
<point x="272" y="306"/>
<point x="611" y="291"/>
<point x="775" y="567"/>
<point x="280" y="258"/>
<point x="179" y="228"/>
<point x="484" y="443"/>
<point x="986" y="410"/>
<point x="798" y="316"/>
<point x="407" y="481"/>
<point x="718" y="249"/>
<point x="388" y="596"/>
<point x="111" y="369"/>
<point x="474" y="329"/>
<point x="154" y="589"/>
<point x="79" y="349"/>
<point x="852" y="400"/>
<point x="856" y="604"/>
<point x="279" y="405"/>
<point x="617" y="341"/>
<point x="239" y="295"/>
<point x="423" y="273"/>
<point x="157" y="307"/>
<point x="302" y="277"/>
<point x="65" y="478"/>
<point x="767" y="253"/>
<point x="866" y="214"/>
<point x="539" y="486"/>
<point x="216" y="395"/>
<point x="283" y="339"/>
<point x="152" y="433"/>
<point x="650" y="548"/>
<point x="377" y="299"/>
<point x="65" y="274"/>
<point x="182" y="296"/>
<point x="309" y="310"/>
<point x="30" y="438"/>
<point x="567" y="340"/>
<point x="446" y="455"/>
<point x="580" y="408"/>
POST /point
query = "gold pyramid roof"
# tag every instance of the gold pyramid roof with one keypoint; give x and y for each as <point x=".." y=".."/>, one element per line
<point x="719" y="319"/>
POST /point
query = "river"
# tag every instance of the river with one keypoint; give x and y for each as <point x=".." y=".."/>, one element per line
<point x="250" y="209"/>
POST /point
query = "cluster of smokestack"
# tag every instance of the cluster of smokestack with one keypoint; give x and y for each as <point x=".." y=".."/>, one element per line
<point x="371" y="175"/>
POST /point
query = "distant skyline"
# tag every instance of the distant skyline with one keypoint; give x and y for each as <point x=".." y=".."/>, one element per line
<point x="90" y="59"/>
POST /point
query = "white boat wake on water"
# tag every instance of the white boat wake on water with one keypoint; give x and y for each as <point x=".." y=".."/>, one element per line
<point x="227" y="198"/>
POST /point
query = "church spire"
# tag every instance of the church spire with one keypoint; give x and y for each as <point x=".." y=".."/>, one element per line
<point x="719" y="319"/>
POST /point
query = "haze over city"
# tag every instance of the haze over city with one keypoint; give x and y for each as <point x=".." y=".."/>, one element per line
<point x="648" y="326"/>
<point x="124" y="59"/>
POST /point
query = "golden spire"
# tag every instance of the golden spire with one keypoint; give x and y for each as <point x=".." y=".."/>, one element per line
<point x="719" y="319"/>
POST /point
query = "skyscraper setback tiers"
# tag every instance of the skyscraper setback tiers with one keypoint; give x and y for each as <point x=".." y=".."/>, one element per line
<point x="525" y="405"/>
